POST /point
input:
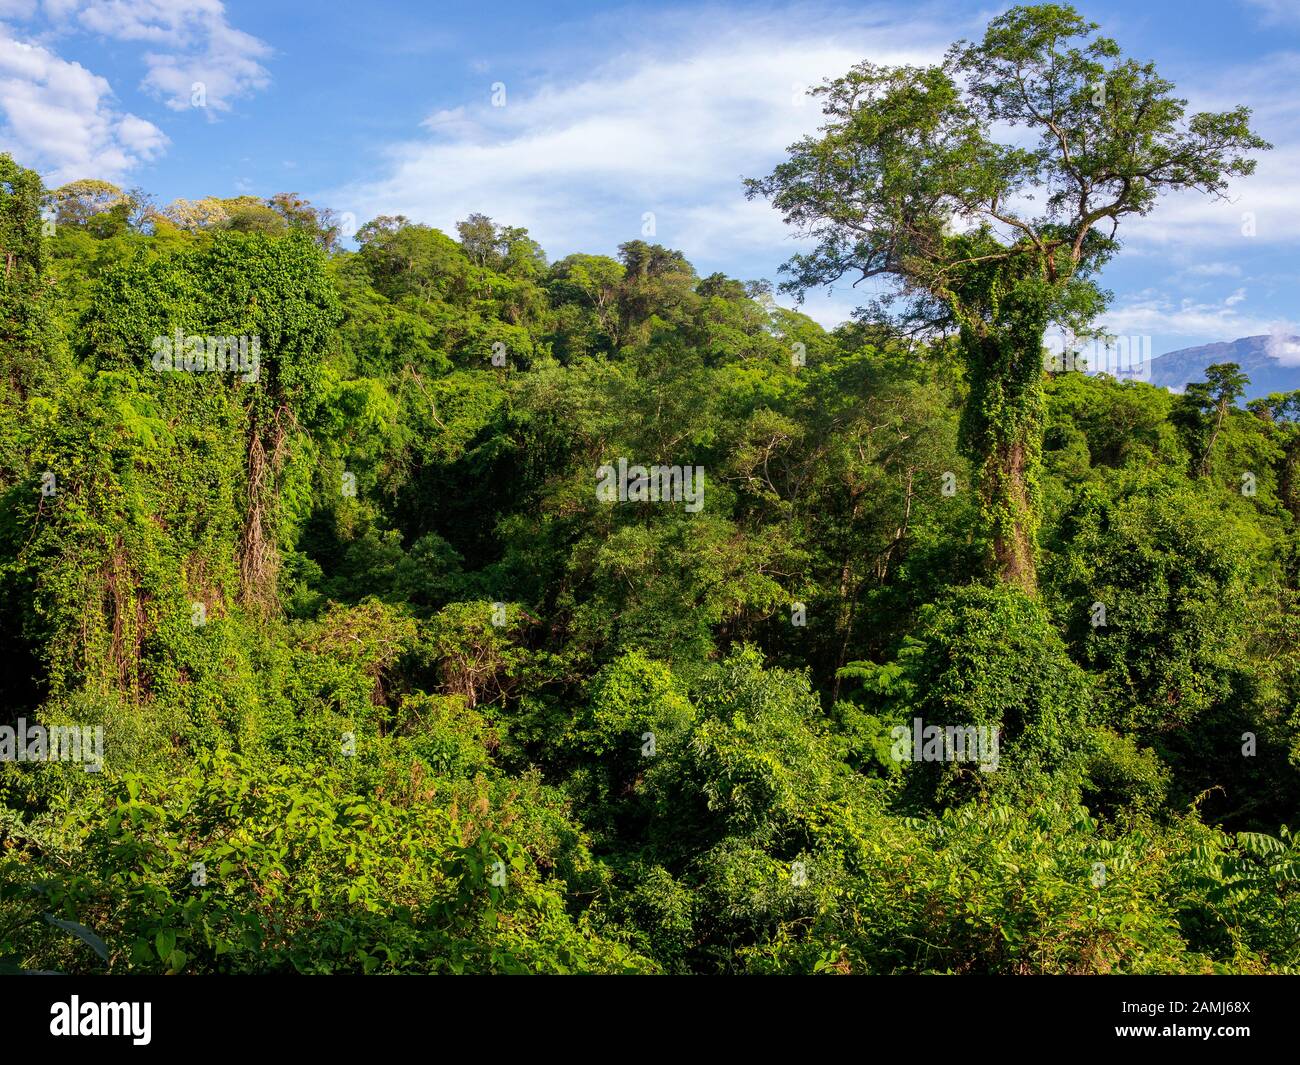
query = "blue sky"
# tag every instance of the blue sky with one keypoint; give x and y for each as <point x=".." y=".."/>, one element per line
<point x="611" y="112"/>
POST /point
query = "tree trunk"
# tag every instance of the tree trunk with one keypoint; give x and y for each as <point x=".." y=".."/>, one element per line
<point x="1013" y="535"/>
<point x="259" y="558"/>
<point x="1002" y="431"/>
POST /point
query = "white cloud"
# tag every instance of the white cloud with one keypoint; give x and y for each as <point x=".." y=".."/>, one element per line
<point x="1263" y="208"/>
<point x="1284" y="344"/>
<point x="159" y="21"/>
<point x="141" y="137"/>
<point x="190" y="42"/>
<point x="58" y="116"/>
<point x="580" y="160"/>
<point x="1214" y="270"/>
<point x="1153" y="313"/>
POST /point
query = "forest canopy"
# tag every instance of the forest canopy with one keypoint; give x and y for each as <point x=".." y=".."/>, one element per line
<point x="366" y="577"/>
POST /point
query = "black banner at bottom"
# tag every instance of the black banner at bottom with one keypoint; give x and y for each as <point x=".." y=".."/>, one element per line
<point x="170" y="1015"/>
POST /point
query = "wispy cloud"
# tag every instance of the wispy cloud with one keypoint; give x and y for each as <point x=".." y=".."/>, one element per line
<point x="1277" y="12"/>
<point x="582" y="161"/>
<point x="191" y="43"/>
<point x="1156" y="313"/>
<point x="1213" y="270"/>
<point x="1263" y="208"/>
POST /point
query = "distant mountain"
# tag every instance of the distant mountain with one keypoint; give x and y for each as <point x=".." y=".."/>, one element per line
<point x="1257" y="356"/>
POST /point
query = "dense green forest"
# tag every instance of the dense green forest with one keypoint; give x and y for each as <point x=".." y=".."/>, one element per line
<point x="924" y="660"/>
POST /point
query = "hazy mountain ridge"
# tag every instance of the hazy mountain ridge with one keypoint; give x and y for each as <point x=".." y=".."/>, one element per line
<point x="1255" y="355"/>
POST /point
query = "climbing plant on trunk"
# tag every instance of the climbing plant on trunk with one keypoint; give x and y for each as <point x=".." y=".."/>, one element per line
<point x="32" y="354"/>
<point x="996" y="241"/>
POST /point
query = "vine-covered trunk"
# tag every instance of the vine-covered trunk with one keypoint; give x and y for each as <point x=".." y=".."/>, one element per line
<point x="259" y="556"/>
<point x="1002" y="432"/>
<point x="1006" y="488"/>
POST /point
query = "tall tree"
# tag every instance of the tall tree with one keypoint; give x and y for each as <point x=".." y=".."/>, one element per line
<point x="993" y="240"/>
<point x="1203" y="407"/>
